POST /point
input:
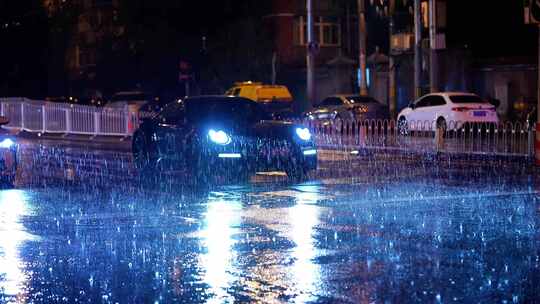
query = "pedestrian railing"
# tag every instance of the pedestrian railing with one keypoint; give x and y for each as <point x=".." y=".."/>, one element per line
<point x="508" y="139"/>
<point x="59" y="118"/>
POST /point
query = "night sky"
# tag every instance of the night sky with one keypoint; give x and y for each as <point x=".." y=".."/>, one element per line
<point x="491" y="28"/>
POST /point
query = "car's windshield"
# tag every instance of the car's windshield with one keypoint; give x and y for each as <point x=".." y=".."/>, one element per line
<point x="361" y="99"/>
<point x="237" y="112"/>
<point x="466" y="99"/>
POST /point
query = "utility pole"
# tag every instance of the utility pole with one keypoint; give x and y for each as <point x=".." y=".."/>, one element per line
<point x="417" y="49"/>
<point x="362" y="47"/>
<point x="274" y="67"/>
<point x="310" y="60"/>
<point x="433" y="64"/>
<point x="391" y="64"/>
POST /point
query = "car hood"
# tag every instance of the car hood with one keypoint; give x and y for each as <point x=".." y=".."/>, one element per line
<point x="321" y="110"/>
<point x="268" y="129"/>
<point x="274" y="130"/>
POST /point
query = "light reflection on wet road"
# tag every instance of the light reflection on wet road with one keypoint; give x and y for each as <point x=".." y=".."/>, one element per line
<point x="383" y="230"/>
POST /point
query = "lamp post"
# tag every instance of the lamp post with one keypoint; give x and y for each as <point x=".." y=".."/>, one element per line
<point x="310" y="60"/>
<point x="417" y="49"/>
<point x="433" y="64"/>
<point x="362" y="38"/>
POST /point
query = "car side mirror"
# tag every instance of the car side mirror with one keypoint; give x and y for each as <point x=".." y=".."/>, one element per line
<point x="412" y="106"/>
<point x="4" y="121"/>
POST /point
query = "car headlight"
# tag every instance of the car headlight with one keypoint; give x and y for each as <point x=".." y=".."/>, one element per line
<point x="7" y="143"/>
<point x="303" y="133"/>
<point x="219" y="137"/>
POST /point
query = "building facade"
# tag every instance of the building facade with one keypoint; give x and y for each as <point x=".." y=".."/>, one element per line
<point x="333" y="22"/>
<point x="89" y="25"/>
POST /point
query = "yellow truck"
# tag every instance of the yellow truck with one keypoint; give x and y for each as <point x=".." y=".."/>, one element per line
<point x="275" y="99"/>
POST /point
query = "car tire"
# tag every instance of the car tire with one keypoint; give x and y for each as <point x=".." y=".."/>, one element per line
<point x="403" y="127"/>
<point x="197" y="167"/>
<point x="441" y="124"/>
<point x="145" y="166"/>
<point x="296" y="171"/>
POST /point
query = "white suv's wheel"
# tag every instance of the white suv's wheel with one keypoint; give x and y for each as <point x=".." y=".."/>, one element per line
<point x="403" y="126"/>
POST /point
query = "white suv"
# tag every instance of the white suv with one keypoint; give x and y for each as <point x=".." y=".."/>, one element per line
<point x="446" y="110"/>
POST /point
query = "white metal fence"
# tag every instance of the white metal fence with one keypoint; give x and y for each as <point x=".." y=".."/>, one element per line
<point x="57" y="118"/>
<point x="508" y="139"/>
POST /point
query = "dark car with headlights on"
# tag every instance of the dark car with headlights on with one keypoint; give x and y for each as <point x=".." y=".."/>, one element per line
<point x="8" y="155"/>
<point x="349" y="107"/>
<point x="218" y="135"/>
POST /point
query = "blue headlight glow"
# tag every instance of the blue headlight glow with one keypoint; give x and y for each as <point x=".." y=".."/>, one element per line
<point x="219" y="137"/>
<point x="7" y="143"/>
<point x="303" y="133"/>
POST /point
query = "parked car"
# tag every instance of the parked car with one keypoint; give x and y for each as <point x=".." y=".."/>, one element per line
<point x="531" y="119"/>
<point x="8" y="155"/>
<point x="274" y="99"/>
<point x="133" y="100"/>
<point x="151" y="109"/>
<point x="443" y="110"/>
<point x="349" y="107"/>
<point x="97" y="102"/>
<point x="210" y="135"/>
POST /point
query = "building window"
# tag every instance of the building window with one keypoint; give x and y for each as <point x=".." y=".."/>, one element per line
<point x="326" y="31"/>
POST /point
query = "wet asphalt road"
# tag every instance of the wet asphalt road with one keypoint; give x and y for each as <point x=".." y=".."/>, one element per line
<point x="373" y="228"/>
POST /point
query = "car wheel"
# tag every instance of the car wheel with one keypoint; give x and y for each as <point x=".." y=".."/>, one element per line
<point x="296" y="170"/>
<point x="145" y="166"/>
<point x="403" y="127"/>
<point x="197" y="166"/>
<point x="198" y="169"/>
<point x="141" y="155"/>
<point x="297" y="174"/>
<point x="441" y="124"/>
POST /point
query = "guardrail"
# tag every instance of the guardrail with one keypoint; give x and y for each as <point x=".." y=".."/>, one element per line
<point x="58" y="118"/>
<point x="505" y="139"/>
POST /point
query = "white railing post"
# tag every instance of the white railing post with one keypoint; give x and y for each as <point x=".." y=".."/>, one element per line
<point x="22" y="116"/>
<point x="531" y="142"/>
<point x="128" y="120"/>
<point x="439" y="139"/>
<point x="97" y="123"/>
<point x="68" y="120"/>
<point x="44" y="117"/>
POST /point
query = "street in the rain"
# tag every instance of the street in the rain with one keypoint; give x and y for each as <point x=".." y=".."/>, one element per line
<point x="270" y="151"/>
<point x="368" y="228"/>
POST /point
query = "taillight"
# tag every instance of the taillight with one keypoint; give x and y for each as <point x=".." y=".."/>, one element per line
<point x="461" y="109"/>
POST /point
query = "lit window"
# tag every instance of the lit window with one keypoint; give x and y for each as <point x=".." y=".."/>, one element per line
<point x="326" y="31"/>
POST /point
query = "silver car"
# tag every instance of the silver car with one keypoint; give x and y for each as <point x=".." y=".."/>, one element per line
<point x="349" y="107"/>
